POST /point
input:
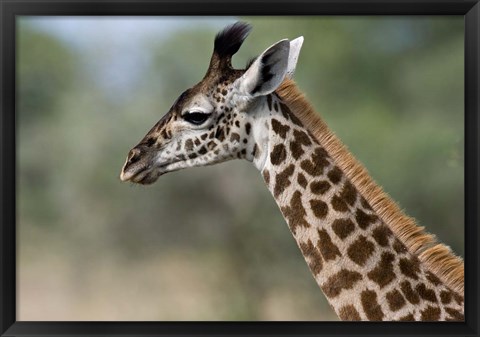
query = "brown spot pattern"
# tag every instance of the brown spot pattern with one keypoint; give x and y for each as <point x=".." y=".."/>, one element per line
<point x="445" y="296"/>
<point x="365" y="204"/>
<point x="370" y="305"/>
<point x="409" y="293"/>
<point x="327" y="247"/>
<point x="255" y="151"/>
<point x="302" y="181"/>
<point x="279" y="128"/>
<point x="235" y="137"/>
<point x="399" y="247"/>
<point x="285" y="111"/>
<point x="343" y="227"/>
<point x="320" y="187"/>
<point x="348" y="313"/>
<point x="302" y="137"/>
<point x="320" y="152"/>
<point x="426" y="293"/>
<point x="360" y="250"/>
<point x="248" y="127"/>
<point x="409" y="268"/>
<point x="381" y="235"/>
<point x="349" y="194"/>
<point x="407" y="318"/>
<point x="317" y="164"/>
<point x="211" y="145"/>
<point x="455" y="315"/>
<point x="363" y="219"/>
<point x="434" y="279"/>
<point x="299" y="138"/>
<point x="458" y="298"/>
<point x="266" y="176"/>
<point x="282" y="181"/>
<point x="344" y="279"/>
<point x="188" y="145"/>
<point x="430" y="314"/>
<point x="295" y="120"/>
<point x="296" y="149"/>
<point x="278" y="154"/>
<point x="289" y="115"/>
<point x="309" y="167"/>
<point x="295" y="213"/>
<point x="339" y="204"/>
<point x="395" y="300"/>
<point x="383" y="273"/>
<point x="335" y="175"/>
<point x="315" y="259"/>
<point x="202" y="150"/>
<point x="319" y="208"/>
<point x="220" y="134"/>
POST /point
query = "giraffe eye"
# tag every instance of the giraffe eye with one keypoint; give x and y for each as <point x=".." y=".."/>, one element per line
<point x="195" y="117"/>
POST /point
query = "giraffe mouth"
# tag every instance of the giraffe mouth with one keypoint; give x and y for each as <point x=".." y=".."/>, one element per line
<point x="134" y="175"/>
<point x="145" y="174"/>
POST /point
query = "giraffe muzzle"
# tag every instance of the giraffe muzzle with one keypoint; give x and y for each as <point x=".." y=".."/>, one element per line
<point x="141" y="167"/>
<point x="137" y="166"/>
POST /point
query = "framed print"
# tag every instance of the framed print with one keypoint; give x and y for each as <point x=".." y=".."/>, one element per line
<point x="158" y="159"/>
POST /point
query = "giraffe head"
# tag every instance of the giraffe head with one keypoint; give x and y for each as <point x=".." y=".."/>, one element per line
<point x="215" y="120"/>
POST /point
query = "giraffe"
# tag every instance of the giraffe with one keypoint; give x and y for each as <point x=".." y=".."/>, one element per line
<point x="371" y="261"/>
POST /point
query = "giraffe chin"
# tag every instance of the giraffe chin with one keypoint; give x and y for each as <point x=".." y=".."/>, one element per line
<point x="149" y="179"/>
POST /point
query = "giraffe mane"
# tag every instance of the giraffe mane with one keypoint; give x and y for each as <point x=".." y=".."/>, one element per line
<point x="437" y="257"/>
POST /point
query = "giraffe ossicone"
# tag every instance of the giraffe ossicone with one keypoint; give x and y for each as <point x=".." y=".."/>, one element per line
<point x="371" y="261"/>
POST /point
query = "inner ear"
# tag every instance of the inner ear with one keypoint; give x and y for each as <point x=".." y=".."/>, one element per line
<point x="267" y="72"/>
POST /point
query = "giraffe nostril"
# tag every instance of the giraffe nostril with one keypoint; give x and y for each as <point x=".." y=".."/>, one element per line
<point x="133" y="156"/>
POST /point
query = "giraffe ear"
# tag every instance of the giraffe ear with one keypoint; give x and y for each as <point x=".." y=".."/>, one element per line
<point x="295" y="46"/>
<point x="267" y="72"/>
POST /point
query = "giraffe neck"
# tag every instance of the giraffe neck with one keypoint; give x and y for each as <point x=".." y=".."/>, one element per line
<point x="363" y="268"/>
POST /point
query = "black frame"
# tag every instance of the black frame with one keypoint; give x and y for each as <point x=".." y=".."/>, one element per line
<point x="9" y="9"/>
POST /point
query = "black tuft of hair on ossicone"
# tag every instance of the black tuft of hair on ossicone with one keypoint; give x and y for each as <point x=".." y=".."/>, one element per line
<point x="230" y="39"/>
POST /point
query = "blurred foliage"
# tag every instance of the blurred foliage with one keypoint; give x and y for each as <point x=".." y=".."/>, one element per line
<point x="45" y="71"/>
<point x="209" y="243"/>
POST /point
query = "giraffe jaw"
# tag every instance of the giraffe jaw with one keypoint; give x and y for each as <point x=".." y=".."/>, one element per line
<point x="147" y="174"/>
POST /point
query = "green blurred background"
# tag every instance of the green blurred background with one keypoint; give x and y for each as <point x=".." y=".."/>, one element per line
<point x="209" y="243"/>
